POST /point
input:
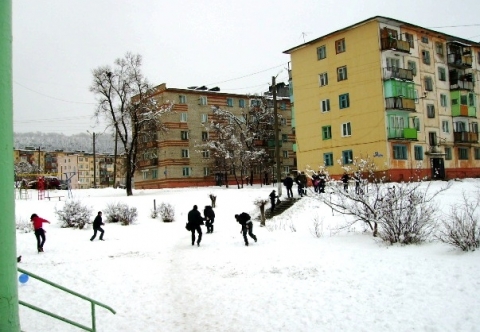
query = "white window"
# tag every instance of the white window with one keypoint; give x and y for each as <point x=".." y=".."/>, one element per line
<point x="346" y="129"/>
<point x="182" y="99"/>
<point x="283" y="121"/>
<point x="285" y="153"/>
<point x="206" y="171"/>
<point x="183" y="117"/>
<point x="342" y="73"/>
<point x="393" y="63"/>
<point x="186" y="171"/>
<point x="185" y="153"/>
<point x="184" y="135"/>
<point x="202" y="101"/>
<point x="323" y="79"/>
<point x="443" y="100"/>
<point x="445" y="128"/>
<point x="325" y="105"/>
<point x="144" y="175"/>
<point x="204" y="117"/>
<point x="206" y="154"/>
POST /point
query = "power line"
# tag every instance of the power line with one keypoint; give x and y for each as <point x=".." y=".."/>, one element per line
<point x="65" y="101"/>
<point x="455" y="26"/>
<point x="258" y="72"/>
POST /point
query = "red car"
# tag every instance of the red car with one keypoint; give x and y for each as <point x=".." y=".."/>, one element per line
<point x="51" y="182"/>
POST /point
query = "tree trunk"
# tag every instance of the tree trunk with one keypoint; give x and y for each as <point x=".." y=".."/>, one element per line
<point x="262" y="215"/>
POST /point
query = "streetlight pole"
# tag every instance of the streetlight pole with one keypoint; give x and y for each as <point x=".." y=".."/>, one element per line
<point x="94" y="162"/>
<point x="277" y="140"/>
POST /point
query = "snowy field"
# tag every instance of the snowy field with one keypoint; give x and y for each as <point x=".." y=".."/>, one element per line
<point x="288" y="281"/>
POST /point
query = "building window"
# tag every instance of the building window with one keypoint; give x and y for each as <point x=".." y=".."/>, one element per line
<point x="325" y="105"/>
<point x="443" y="100"/>
<point x="186" y="171"/>
<point x="426" y="57"/>
<point x="471" y="99"/>
<point x="439" y="48"/>
<point x="400" y="152"/>
<point x="284" y="138"/>
<point x="283" y="121"/>
<point x="230" y="102"/>
<point x="285" y="153"/>
<point x="204" y="117"/>
<point x="182" y="99"/>
<point x="321" y="52"/>
<point x="206" y="171"/>
<point x="323" y="79"/>
<point x="241" y="103"/>
<point x="409" y="39"/>
<point x="477" y="153"/>
<point x="445" y="126"/>
<point x="478" y="57"/>
<point x="442" y="76"/>
<point x="286" y="169"/>
<point x="412" y="65"/>
<point x="203" y="101"/>
<point x="326" y="132"/>
<point x="184" y="135"/>
<point x="474" y="126"/>
<point x="185" y="153"/>
<point x="342" y="73"/>
<point x="154" y="174"/>
<point x="144" y="175"/>
<point x="328" y="159"/>
<point x="463" y="153"/>
<point x="205" y="154"/>
<point x="346" y="129"/>
<point x="204" y="136"/>
<point x="344" y="101"/>
<point x="347" y="157"/>
<point x="418" y="152"/>
<point x="431" y="111"/>
<point x="424" y="39"/>
<point x="416" y="123"/>
<point x="283" y="106"/>
<point x="340" y="45"/>
<point x="255" y="103"/>
<point x="448" y="153"/>
<point x="428" y="83"/>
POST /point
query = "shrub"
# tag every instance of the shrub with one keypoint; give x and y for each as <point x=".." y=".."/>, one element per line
<point x="24" y="225"/>
<point x="120" y="212"/>
<point x="167" y="212"/>
<point x="74" y="214"/>
<point x="317" y="227"/>
<point x="461" y="229"/>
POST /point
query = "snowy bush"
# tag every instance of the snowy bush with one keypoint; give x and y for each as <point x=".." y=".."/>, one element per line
<point x="23" y="225"/>
<point x="153" y="213"/>
<point x="74" y="214"/>
<point x="167" y="212"/>
<point x="120" y="212"/>
<point x="461" y="228"/>
<point x="317" y="227"/>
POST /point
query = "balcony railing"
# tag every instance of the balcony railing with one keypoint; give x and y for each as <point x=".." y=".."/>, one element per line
<point x="400" y="103"/>
<point x="271" y="143"/>
<point x="460" y="85"/>
<point x="149" y="162"/>
<point x="400" y="73"/>
<point x="465" y="137"/>
<point x="456" y="59"/>
<point x="395" y="44"/>
<point x="402" y="133"/>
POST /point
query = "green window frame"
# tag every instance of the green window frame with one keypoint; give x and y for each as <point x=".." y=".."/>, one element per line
<point x="230" y="102"/>
<point x="154" y="174"/>
<point x="442" y="75"/>
<point x="400" y="152"/>
<point x="462" y="153"/>
<point x="328" y="159"/>
<point x="448" y="153"/>
<point x="186" y="171"/>
<point x="326" y="132"/>
<point x="343" y="101"/>
<point x="321" y="52"/>
<point x="347" y="157"/>
<point x="241" y="103"/>
<point x="418" y="152"/>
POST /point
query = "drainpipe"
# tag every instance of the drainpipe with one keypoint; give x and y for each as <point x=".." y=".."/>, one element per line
<point x="9" y="319"/>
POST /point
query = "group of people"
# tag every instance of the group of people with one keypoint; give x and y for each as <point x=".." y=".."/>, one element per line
<point x="195" y="221"/>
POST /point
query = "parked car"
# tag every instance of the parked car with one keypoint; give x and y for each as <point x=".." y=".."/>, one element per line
<point x="63" y="185"/>
<point x="51" y="182"/>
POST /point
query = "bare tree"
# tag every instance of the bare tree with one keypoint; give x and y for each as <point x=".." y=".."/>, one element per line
<point x="127" y="101"/>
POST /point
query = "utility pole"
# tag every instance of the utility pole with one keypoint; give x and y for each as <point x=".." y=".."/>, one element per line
<point x="9" y="317"/>
<point x="277" y="142"/>
<point x="94" y="164"/>
<point x="115" y="160"/>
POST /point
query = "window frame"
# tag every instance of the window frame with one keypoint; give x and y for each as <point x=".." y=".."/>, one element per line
<point x="400" y="152"/>
<point x="347" y="157"/>
<point x="328" y="159"/>
<point x="412" y="65"/>
<point x="203" y="101"/>
<point x="323" y="79"/>
<point x="346" y="129"/>
<point x="426" y="57"/>
<point x="344" y="101"/>
<point x="462" y="153"/>
<point x="442" y="74"/>
<point x="342" y="73"/>
<point x="445" y="126"/>
<point x="183" y="117"/>
<point x="325" y="105"/>
<point x="229" y="102"/>
<point x="182" y="99"/>
<point x="326" y="132"/>
<point x="322" y="52"/>
<point x="431" y="111"/>
<point x="418" y="152"/>
<point x="340" y="46"/>
<point x="185" y="153"/>
<point x="428" y="83"/>
<point x="204" y="117"/>
<point x="443" y="100"/>
<point x="184" y="135"/>
<point x="204" y="135"/>
<point x="241" y="103"/>
<point x="186" y="171"/>
<point x="448" y="153"/>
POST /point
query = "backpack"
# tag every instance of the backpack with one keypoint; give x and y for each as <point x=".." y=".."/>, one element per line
<point x="187" y="227"/>
<point x="245" y="216"/>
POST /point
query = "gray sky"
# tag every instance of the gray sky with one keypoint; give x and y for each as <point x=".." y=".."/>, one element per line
<point x="236" y="45"/>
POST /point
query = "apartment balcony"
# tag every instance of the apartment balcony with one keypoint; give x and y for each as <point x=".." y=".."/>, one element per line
<point x="461" y="84"/>
<point x="271" y="143"/>
<point x="258" y="142"/>
<point x="460" y="60"/>
<point x="399" y="73"/>
<point x="402" y="133"/>
<point x="395" y="44"/>
<point x="149" y="162"/>
<point x="400" y="103"/>
<point x="464" y="110"/>
<point x="465" y="137"/>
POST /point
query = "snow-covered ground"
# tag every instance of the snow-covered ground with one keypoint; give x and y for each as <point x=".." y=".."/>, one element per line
<point x="288" y="281"/>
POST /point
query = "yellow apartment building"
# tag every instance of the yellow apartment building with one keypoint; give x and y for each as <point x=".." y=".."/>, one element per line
<point x="394" y="92"/>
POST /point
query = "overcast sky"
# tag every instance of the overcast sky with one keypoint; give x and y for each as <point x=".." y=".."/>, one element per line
<point x="236" y="45"/>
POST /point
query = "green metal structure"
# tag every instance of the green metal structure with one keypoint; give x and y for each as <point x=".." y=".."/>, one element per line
<point x="9" y="318"/>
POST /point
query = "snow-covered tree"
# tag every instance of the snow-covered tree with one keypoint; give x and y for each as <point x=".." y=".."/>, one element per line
<point x="126" y="100"/>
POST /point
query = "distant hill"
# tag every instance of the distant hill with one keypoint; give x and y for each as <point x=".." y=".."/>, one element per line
<point x="105" y="143"/>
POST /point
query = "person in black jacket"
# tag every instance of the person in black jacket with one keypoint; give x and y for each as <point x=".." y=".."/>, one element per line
<point x="195" y="220"/>
<point x="209" y="215"/>
<point x="345" y="178"/>
<point x="97" y="223"/>
<point x="288" y="183"/>
<point x="273" y="196"/>
<point x="247" y="226"/>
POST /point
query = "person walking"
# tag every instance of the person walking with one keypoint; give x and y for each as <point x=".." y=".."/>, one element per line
<point x="195" y="220"/>
<point x="247" y="226"/>
<point x="97" y="226"/>
<point x="209" y="215"/>
<point x="358" y="179"/>
<point x="39" y="231"/>
<point x="273" y="196"/>
<point x="288" y="183"/>
<point x="345" y="179"/>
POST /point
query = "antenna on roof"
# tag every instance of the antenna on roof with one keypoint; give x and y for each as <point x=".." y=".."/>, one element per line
<point x="304" y="34"/>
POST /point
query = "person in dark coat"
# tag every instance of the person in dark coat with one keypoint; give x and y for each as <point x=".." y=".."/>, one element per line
<point x="97" y="226"/>
<point x="273" y="196"/>
<point x="288" y="183"/>
<point x="39" y="231"/>
<point x="247" y="226"/>
<point x="357" y="179"/>
<point x="345" y="179"/>
<point x="209" y="215"/>
<point x="321" y="183"/>
<point x="195" y="220"/>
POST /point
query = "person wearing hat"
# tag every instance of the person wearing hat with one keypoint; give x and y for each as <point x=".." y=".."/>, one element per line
<point x="273" y="196"/>
<point x="245" y="220"/>
<point x="39" y="231"/>
<point x="195" y="220"/>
